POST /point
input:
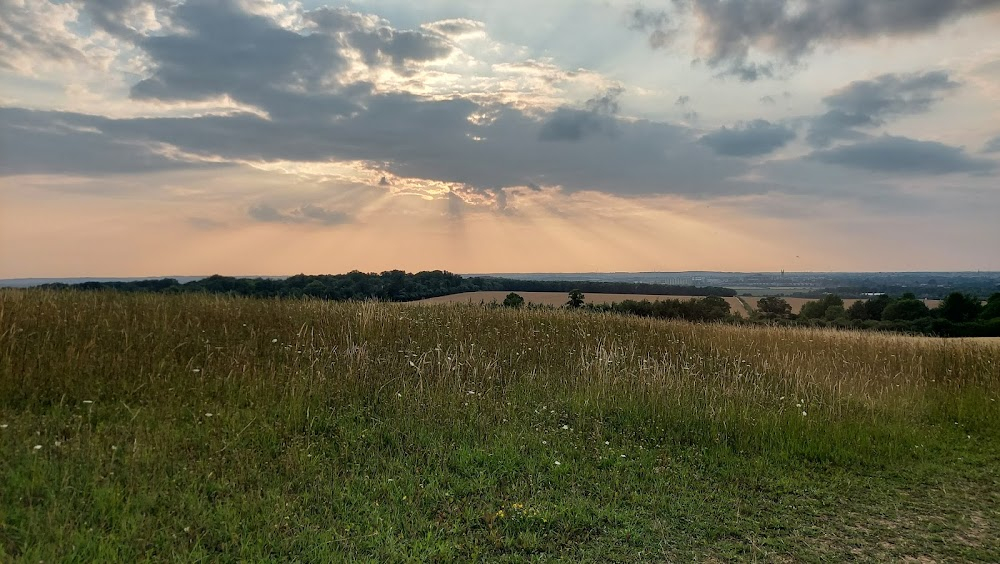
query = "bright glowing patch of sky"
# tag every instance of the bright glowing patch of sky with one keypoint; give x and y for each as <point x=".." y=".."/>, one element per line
<point x="150" y="137"/>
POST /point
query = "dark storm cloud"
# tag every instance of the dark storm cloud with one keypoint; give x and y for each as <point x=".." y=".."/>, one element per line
<point x="598" y="118"/>
<point x="752" y="139"/>
<point x="788" y="29"/>
<point x="305" y="214"/>
<point x="870" y="103"/>
<point x="900" y="155"/>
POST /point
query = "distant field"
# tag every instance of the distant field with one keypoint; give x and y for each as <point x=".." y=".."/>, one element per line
<point x="559" y="298"/>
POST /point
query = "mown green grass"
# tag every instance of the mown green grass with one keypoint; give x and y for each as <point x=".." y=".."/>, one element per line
<point x="194" y="428"/>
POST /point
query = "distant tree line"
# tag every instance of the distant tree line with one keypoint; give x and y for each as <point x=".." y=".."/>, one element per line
<point x="393" y="285"/>
<point x="958" y="315"/>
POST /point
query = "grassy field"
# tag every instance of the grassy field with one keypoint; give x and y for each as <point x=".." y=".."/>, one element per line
<point x="559" y="298"/>
<point x="205" y="428"/>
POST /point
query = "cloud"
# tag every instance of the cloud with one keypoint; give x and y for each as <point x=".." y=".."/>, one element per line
<point x="870" y="103"/>
<point x="901" y="155"/>
<point x="306" y="214"/>
<point x="993" y="145"/>
<point x="225" y="50"/>
<point x="654" y="22"/>
<point x="728" y="31"/>
<point x="407" y="137"/>
<point x="310" y="108"/>
<point x="456" y="27"/>
<point x="64" y="143"/>
<point x="892" y="94"/>
<point x="37" y="33"/>
<point x="568" y="124"/>
<point x="380" y="44"/>
<point x="128" y="19"/>
<point x="751" y="139"/>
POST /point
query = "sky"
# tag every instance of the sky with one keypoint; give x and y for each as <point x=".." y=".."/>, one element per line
<point x="263" y="137"/>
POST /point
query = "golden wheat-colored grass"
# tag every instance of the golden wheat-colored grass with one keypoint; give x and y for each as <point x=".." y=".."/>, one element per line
<point x="67" y="342"/>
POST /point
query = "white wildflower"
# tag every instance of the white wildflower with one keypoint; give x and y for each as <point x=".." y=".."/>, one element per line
<point x="38" y="447"/>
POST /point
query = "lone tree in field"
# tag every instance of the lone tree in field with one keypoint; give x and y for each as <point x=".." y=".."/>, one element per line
<point x="575" y="299"/>
<point x="513" y="300"/>
<point x="773" y="306"/>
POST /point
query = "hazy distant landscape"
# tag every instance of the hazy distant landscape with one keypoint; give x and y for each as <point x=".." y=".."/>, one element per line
<point x="790" y="284"/>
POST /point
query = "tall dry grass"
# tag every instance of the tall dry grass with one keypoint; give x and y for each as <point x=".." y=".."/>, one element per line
<point x="290" y="357"/>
